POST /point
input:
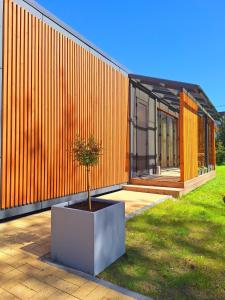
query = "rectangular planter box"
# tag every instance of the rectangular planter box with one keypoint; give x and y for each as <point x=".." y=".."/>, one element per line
<point x="88" y="241"/>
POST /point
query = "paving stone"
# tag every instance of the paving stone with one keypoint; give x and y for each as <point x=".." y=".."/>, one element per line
<point x="45" y="294"/>
<point x="133" y="200"/>
<point x="8" y="280"/>
<point x="98" y="293"/>
<point x="4" y="295"/>
<point x="61" y="296"/>
<point x="21" y="291"/>
<point x="61" y="284"/>
<point x="24" y="276"/>
<point x="5" y="268"/>
<point x="85" y="289"/>
<point x="70" y="277"/>
<point x="35" y="284"/>
<point x="28" y="269"/>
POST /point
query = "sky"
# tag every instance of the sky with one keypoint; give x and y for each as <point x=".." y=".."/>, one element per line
<point x="171" y="39"/>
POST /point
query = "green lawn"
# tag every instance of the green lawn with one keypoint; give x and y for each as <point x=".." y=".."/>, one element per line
<point x="177" y="249"/>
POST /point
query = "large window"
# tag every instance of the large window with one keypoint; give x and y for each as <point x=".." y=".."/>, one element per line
<point x="167" y="140"/>
<point x="143" y="133"/>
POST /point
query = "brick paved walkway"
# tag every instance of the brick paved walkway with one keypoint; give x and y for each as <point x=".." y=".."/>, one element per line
<point x="23" y="275"/>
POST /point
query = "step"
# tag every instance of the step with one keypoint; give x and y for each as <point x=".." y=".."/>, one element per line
<point x="174" y="192"/>
<point x="155" y="182"/>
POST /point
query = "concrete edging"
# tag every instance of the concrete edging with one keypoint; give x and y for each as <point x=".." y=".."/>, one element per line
<point x="139" y="211"/>
<point x="40" y="206"/>
<point x="97" y="280"/>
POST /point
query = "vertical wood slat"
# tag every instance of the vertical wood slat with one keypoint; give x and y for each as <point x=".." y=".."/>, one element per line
<point x="36" y="112"/>
<point x="43" y="111"/>
<point x="32" y="110"/>
<point x="48" y="116"/>
<point x="213" y="145"/>
<point x="17" y="106"/>
<point x="4" y="204"/>
<point x="21" y="128"/>
<point x="9" y="201"/>
<point x="39" y="106"/>
<point x="53" y="89"/>
<point x="60" y="117"/>
<point x="188" y="137"/>
<point x="25" y="118"/>
<point x="29" y="110"/>
<point x="201" y="141"/>
<point x="13" y="105"/>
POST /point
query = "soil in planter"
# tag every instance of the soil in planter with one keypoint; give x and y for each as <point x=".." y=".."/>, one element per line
<point x="95" y="205"/>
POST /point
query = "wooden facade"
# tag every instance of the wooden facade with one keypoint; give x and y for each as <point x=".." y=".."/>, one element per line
<point x="53" y="89"/>
<point x="188" y="137"/>
<point x="206" y="142"/>
<point x="197" y="138"/>
<point x="201" y="141"/>
<point x="55" y="86"/>
<point x="211" y="143"/>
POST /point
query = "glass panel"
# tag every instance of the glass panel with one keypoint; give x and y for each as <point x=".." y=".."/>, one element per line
<point x="170" y="141"/>
<point x="175" y="159"/>
<point x="163" y="141"/>
<point x="167" y="140"/>
<point x="159" y="138"/>
<point x="142" y="137"/>
<point x="209" y="144"/>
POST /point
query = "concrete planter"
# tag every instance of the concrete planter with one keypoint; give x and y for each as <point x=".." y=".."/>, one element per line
<point x="88" y="241"/>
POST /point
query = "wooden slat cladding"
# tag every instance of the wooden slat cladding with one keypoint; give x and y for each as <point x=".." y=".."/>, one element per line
<point x="52" y="90"/>
<point x="201" y="141"/>
<point x="211" y="143"/>
<point x="188" y="137"/>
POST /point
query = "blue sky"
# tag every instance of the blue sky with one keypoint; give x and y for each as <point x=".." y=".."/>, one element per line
<point x="180" y="40"/>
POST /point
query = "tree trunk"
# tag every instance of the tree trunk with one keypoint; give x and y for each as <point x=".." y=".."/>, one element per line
<point x="88" y="188"/>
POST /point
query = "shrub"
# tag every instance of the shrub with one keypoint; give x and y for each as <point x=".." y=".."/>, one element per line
<point x="220" y="153"/>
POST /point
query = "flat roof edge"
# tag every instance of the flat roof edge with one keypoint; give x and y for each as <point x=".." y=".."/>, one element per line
<point x="47" y="14"/>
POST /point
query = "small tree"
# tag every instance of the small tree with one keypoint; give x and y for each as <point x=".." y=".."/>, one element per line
<point x="87" y="153"/>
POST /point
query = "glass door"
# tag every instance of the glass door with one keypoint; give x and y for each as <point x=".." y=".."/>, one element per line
<point x="163" y="141"/>
<point x="142" y="137"/>
<point x="167" y="140"/>
<point x="170" y="144"/>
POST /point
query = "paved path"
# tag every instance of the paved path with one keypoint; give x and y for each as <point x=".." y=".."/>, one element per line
<point x="134" y="201"/>
<point x="24" y="276"/>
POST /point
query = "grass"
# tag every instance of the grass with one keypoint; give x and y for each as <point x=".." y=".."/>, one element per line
<point x="176" y="250"/>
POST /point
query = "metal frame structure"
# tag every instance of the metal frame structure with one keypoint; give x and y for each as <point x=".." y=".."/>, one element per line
<point x="168" y="92"/>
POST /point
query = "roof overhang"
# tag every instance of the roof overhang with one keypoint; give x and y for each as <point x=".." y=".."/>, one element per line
<point x="169" y="91"/>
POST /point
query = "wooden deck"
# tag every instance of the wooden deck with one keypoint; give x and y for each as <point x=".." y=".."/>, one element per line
<point x="170" y="191"/>
<point x="172" y="188"/>
<point x="169" y="177"/>
<point x="163" y="181"/>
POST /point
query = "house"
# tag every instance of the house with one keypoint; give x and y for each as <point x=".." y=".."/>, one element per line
<point x="155" y="133"/>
